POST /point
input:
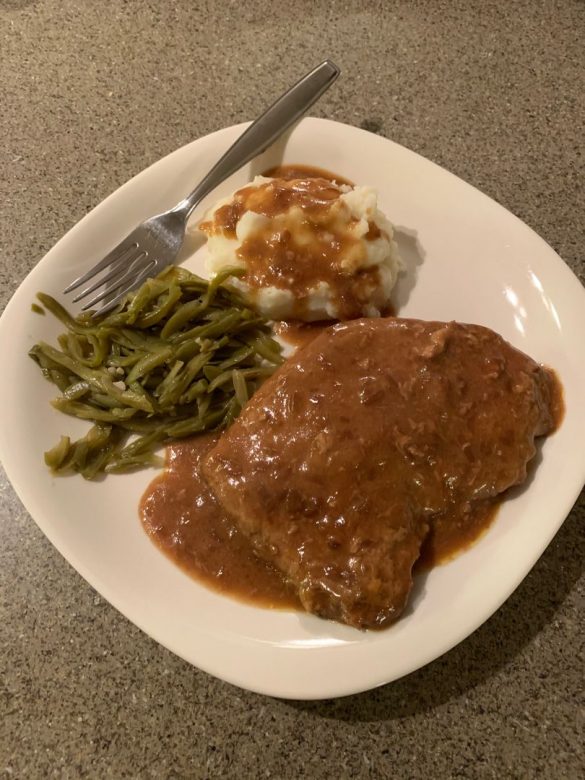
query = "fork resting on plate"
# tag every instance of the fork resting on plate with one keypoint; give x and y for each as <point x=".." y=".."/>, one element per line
<point x="155" y="243"/>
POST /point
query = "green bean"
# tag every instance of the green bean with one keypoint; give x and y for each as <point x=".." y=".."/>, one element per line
<point x="103" y="401"/>
<point x="134" y="339"/>
<point x="211" y="329"/>
<point x="43" y="360"/>
<point x="163" y="309"/>
<point x="126" y="361"/>
<point x="186" y="313"/>
<point x="59" y="378"/>
<point x="222" y="378"/>
<point x="55" y="457"/>
<point x="211" y="372"/>
<point x="194" y="392"/>
<point x="231" y="413"/>
<point x="89" y="453"/>
<point x="99" y="381"/>
<point x="123" y="465"/>
<point x="148" y="362"/>
<point x="140" y="300"/>
<point x="180" y="356"/>
<point x="89" y="350"/>
<point x="189" y="349"/>
<point x="78" y="390"/>
<point x="100" y="347"/>
<point x="195" y="424"/>
<point x="167" y="382"/>
<point x="77" y="325"/>
<point x="187" y="374"/>
<point x="203" y="404"/>
<point x="88" y="412"/>
<point x="138" y="446"/>
<point x="226" y="376"/>
<point x="268" y="348"/>
<point x="97" y="464"/>
<point x="240" y="387"/>
<point x="236" y="358"/>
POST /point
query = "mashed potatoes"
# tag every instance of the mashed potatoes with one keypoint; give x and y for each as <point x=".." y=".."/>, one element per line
<point x="310" y="249"/>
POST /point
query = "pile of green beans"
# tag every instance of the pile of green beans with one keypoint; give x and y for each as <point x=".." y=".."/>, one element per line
<point x="179" y="357"/>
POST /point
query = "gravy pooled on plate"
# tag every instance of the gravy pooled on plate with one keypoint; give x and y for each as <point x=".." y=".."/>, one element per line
<point x="185" y="520"/>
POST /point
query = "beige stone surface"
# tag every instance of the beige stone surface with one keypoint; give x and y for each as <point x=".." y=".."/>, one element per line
<point x="91" y="93"/>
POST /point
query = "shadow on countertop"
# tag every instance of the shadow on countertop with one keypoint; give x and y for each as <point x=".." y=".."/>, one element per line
<point x="413" y="254"/>
<point x="496" y="643"/>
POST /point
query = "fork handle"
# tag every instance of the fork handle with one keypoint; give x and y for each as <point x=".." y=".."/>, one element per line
<point x="264" y="131"/>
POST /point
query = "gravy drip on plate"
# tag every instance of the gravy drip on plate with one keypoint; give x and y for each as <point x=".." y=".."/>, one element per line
<point x="320" y="248"/>
<point x="183" y="518"/>
<point x="298" y="334"/>
<point x="452" y="533"/>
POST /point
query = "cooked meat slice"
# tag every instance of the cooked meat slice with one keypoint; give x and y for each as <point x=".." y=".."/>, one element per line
<point x="338" y="464"/>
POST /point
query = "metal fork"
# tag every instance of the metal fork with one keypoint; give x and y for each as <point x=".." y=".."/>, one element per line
<point x="155" y="243"/>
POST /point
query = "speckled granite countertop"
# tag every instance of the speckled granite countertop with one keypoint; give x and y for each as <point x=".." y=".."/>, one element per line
<point x="93" y="92"/>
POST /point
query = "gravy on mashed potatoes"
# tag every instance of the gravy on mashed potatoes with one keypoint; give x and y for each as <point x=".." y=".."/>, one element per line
<point x="312" y="247"/>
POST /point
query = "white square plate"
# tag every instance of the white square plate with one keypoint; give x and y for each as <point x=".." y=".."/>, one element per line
<point x="470" y="260"/>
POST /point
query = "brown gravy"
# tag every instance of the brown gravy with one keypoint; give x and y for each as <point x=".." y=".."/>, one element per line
<point x="315" y="251"/>
<point x="450" y="535"/>
<point x="305" y="172"/>
<point x="297" y="334"/>
<point x="185" y="521"/>
<point x="354" y="449"/>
